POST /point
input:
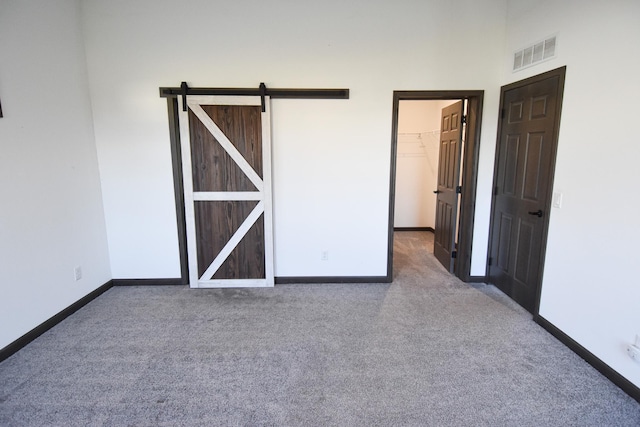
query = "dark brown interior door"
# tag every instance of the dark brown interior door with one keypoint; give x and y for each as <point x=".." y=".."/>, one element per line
<point x="523" y="176"/>
<point x="448" y="178"/>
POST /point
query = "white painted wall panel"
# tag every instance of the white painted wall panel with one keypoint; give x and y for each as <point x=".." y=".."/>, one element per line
<point x="590" y="288"/>
<point x="331" y="157"/>
<point x="51" y="219"/>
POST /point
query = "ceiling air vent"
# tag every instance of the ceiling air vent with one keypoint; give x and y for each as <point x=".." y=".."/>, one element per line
<point x="534" y="54"/>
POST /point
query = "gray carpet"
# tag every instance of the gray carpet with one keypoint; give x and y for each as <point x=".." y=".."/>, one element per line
<point x="426" y="350"/>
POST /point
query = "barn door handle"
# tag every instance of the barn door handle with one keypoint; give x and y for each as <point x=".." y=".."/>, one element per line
<point x="537" y="213"/>
<point x="437" y="192"/>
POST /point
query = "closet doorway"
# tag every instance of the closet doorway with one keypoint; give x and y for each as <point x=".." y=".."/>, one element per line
<point x="417" y="164"/>
<point x="433" y="177"/>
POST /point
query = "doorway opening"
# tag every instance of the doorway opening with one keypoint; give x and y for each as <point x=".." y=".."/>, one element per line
<point x="416" y="154"/>
<point x="418" y="135"/>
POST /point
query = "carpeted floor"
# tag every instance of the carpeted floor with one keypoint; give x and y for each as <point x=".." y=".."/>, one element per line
<point x="426" y="350"/>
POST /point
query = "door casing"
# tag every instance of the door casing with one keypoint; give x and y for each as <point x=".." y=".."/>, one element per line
<point x="469" y="173"/>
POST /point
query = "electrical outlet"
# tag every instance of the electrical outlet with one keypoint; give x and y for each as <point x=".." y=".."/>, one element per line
<point x="324" y="256"/>
<point x="77" y="273"/>
<point x="634" y="352"/>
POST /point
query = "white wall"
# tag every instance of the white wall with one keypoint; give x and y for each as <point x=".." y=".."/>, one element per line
<point x="416" y="164"/>
<point x="51" y="219"/>
<point x="590" y="288"/>
<point x="331" y="157"/>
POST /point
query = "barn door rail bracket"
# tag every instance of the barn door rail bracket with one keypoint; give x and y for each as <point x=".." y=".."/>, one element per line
<point x="262" y="91"/>
<point x="184" y="90"/>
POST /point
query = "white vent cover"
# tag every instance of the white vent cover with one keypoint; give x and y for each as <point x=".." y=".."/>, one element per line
<point x="534" y="54"/>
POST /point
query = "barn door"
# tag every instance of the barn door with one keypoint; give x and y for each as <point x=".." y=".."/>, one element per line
<point x="448" y="180"/>
<point x="226" y="161"/>
<point x="527" y="141"/>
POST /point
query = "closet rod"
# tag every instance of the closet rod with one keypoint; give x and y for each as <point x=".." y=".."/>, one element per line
<point x="427" y="132"/>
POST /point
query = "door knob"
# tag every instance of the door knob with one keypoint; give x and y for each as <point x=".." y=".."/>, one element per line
<point x="437" y="192"/>
<point x="537" y="213"/>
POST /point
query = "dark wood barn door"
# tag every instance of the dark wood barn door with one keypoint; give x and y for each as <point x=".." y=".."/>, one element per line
<point x="226" y="156"/>
<point x="525" y="158"/>
<point x="448" y="179"/>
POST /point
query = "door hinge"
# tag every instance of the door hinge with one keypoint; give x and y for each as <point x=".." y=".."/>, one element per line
<point x="490" y="261"/>
<point x="503" y="113"/>
<point x="464" y="119"/>
<point x="459" y="189"/>
<point x="495" y="190"/>
<point x="454" y="254"/>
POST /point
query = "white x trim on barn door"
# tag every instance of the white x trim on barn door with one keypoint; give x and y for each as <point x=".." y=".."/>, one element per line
<point x="262" y="195"/>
